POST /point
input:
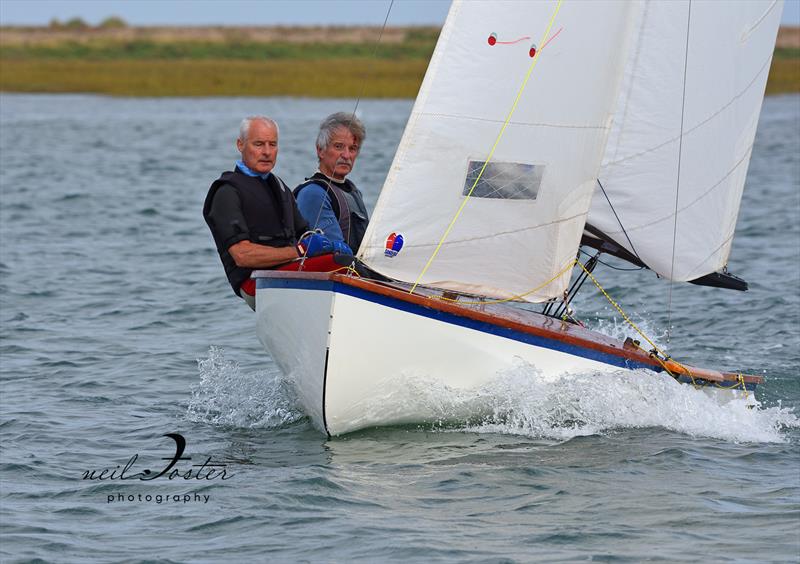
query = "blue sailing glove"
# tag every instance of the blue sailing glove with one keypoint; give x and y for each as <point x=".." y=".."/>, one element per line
<point x="342" y="248"/>
<point x="315" y="244"/>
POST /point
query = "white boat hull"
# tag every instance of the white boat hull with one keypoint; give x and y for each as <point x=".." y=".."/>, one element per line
<point x="346" y="355"/>
<point x="360" y="359"/>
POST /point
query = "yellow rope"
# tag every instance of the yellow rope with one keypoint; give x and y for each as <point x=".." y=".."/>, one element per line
<point x="349" y="269"/>
<point x="739" y="379"/>
<point x="739" y="383"/>
<point x="667" y="369"/>
<point x="622" y="313"/>
<point x="491" y="153"/>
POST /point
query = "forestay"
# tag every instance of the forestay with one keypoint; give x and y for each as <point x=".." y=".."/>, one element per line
<point x="523" y="223"/>
<point x="727" y="49"/>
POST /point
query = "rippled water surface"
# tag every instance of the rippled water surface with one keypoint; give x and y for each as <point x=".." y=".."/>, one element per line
<point x="118" y="327"/>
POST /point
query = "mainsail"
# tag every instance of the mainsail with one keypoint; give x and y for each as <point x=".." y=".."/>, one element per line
<point x="522" y="225"/>
<point x="683" y="132"/>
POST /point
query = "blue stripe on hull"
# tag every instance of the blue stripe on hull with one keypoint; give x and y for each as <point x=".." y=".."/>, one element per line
<point x="445" y="317"/>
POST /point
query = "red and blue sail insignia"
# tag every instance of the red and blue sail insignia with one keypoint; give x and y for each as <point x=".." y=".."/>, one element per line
<point x="394" y="242"/>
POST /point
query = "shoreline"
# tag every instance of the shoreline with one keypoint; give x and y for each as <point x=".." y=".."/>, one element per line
<point x="213" y="61"/>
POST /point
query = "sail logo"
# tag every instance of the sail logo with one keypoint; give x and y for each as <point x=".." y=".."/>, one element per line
<point x="394" y="242"/>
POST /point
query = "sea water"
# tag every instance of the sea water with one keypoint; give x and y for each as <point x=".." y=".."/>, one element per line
<point x="124" y="350"/>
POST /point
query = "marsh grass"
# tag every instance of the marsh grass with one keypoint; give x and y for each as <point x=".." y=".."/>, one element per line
<point x="319" y="62"/>
<point x="322" y="62"/>
<point x="784" y="74"/>
<point x="343" y="77"/>
<point x="107" y="49"/>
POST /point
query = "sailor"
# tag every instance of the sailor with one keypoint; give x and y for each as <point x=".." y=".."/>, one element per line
<point x="253" y="215"/>
<point x="328" y="200"/>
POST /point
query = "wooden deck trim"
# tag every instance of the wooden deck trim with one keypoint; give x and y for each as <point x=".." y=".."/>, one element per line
<point x="536" y="324"/>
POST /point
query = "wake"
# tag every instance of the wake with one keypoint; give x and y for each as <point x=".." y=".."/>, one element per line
<point x="518" y="401"/>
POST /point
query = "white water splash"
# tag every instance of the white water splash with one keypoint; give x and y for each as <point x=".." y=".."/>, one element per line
<point x="226" y="396"/>
<point x="585" y="404"/>
<point x="620" y="329"/>
<point x="519" y="401"/>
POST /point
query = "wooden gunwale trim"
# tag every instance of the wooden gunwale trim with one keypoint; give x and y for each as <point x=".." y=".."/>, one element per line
<point x="494" y="319"/>
<point x="561" y="335"/>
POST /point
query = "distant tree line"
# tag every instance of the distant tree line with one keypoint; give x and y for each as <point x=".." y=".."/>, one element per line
<point x="112" y="22"/>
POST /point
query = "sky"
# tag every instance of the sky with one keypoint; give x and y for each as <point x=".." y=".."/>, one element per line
<point x="230" y="12"/>
<point x="249" y="12"/>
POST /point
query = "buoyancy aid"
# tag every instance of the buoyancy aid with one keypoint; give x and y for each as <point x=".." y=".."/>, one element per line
<point x="268" y="208"/>
<point x="347" y="204"/>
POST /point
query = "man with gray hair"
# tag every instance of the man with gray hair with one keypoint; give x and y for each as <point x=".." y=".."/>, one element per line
<point x="328" y="200"/>
<point x="253" y="215"/>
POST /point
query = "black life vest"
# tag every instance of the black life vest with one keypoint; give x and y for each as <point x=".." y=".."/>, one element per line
<point x="269" y="210"/>
<point x="347" y="204"/>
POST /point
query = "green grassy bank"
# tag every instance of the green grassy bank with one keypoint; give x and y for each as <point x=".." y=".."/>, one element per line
<point x="784" y="74"/>
<point x="212" y="77"/>
<point x="317" y="62"/>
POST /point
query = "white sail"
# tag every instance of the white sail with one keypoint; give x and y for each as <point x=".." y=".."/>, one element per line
<point x="683" y="131"/>
<point x="523" y="223"/>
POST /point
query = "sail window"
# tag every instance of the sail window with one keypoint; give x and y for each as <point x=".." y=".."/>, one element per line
<point x="505" y="181"/>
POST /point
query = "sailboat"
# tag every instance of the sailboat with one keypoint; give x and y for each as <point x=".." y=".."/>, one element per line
<point x="540" y="128"/>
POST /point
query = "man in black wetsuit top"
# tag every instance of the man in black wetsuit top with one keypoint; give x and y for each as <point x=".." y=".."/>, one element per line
<point x="252" y="214"/>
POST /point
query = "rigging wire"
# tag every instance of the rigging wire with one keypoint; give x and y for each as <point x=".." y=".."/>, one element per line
<point x="372" y="58"/>
<point x="612" y="267"/>
<point x="678" y="179"/>
<point x="563" y="310"/>
<point x="358" y="101"/>
<point x="619" y="221"/>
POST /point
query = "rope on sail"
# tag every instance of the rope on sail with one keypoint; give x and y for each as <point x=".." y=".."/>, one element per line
<point x="678" y="179"/>
<point x="512" y="298"/>
<point x="491" y="153"/>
